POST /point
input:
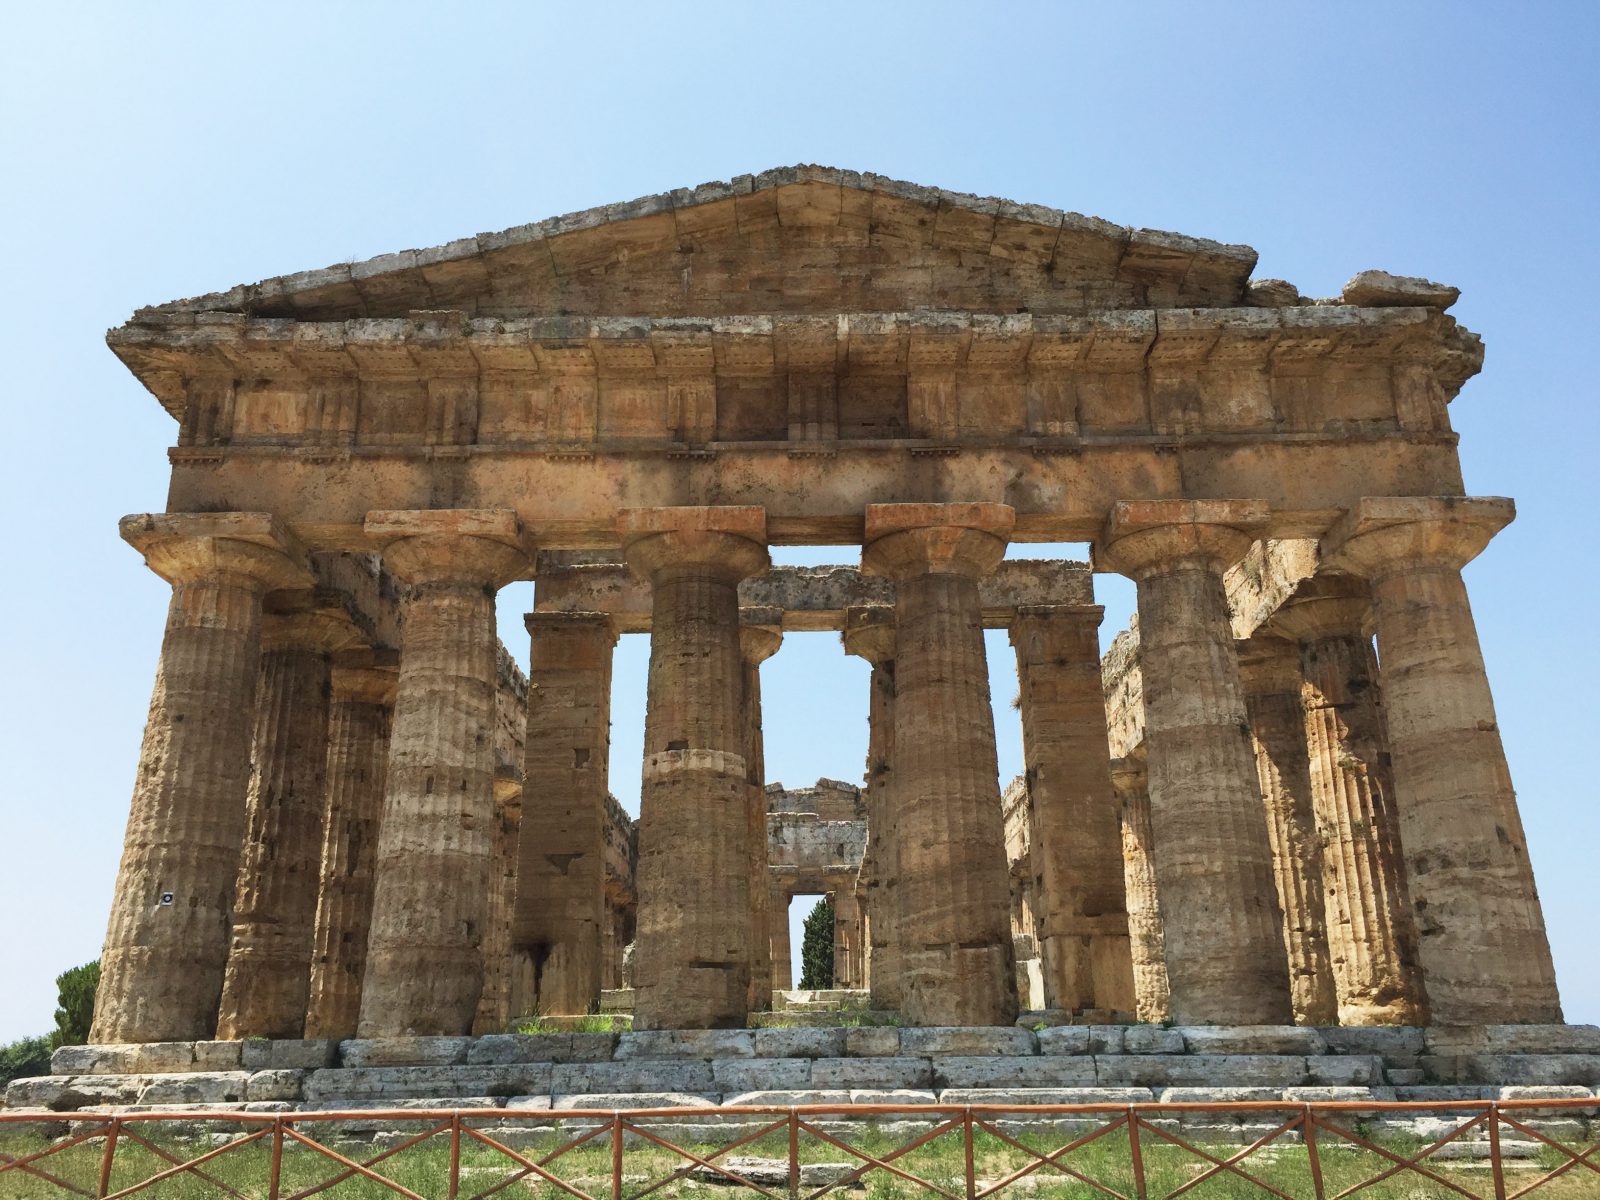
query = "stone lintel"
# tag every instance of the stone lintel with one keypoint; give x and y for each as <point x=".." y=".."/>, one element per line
<point x="180" y="546"/>
<point x="1380" y="533"/>
<point x="1144" y="537"/>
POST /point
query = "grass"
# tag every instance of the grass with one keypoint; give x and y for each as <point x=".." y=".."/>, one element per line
<point x="592" y="1023"/>
<point x="424" y="1169"/>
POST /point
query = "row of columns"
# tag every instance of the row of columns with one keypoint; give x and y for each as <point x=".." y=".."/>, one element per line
<point x="205" y="937"/>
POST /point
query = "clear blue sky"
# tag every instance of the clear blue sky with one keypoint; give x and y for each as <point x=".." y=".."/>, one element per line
<point x="157" y="151"/>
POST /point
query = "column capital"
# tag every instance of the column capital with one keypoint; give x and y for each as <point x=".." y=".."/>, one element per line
<point x="365" y="685"/>
<point x="1150" y="537"/>
<point x="315" y="629"/>
<point x="1380" y="535"/>
<point x="1324" y="606"/>
<point x="1269" y="664"/>
<point x="1130" y="772"/>
<point x="508" y="792"/>
<point x="869" y="632"/>
<point x="181" y="547"/>
<point x="728" y="540"/>
<point x="760" y="632"/>
<point x="904" y="541"/>
<point x="472" y="546"/>
<point x="600" y="623"/>
<point x="1040" y="631"/>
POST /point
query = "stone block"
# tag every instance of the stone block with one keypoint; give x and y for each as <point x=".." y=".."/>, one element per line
<point x="1251" y="1039"/>
<point x="1350" y="1070"/>
<point x="1393" y="1043"/>
<point x="445" y="1083"/>
<point x="886" y="1073"/>
<point x="287" y="1054"/>
<point x="1152" y="1039"/>
<point x="213" y="1087"/>
<point x="500" y="1048"/>
<point x="908" y="1096"/>
<point x="219" y="1056"/>
<point x="404" y="1052"/>
<point x="967" y="1041"/>
<point x="686" y="1043"/>
<point x="1040" y="1019"/>
<point x="146" y="1058"/>
<point x="783" y="1099"/>
<point x="1541" y="1070"/>
<point x="1217" y="1095"/>
<point x="275" y="1085"/>
<point x="800" y="1043"/>
<point x="1016" y="1072"/>
<point x="1433" y="1092"/>
<point x="872" y="1043"/>
<point x="750" y="1074"/>
<point x="1078" y="1095"/>
<point x="1200" y="1070"/>
<point x="1314" y="1095"/>
<point x="1064" y="1039"/>
<point x="57" y="1092"/>
<point x="607" y="1101"/>
<point x="1542" y="1039"/>
<point x="635" y="1075"/>
<point x="1407" y="1076"/>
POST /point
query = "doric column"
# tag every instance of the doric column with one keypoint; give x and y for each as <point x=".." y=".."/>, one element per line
<point x="760" y="635"/>
<point x="1224" y="945"/>
<point x="266" y="986"/>
<point x="869" y="634"/>
<point x="494" y="1005"/>
<point x="424" y="951"/>
<point x="957" y="965"/>
<point x="693" y="947"/>
<point x="1139" y="871"/>
<point x="846" y="936"/>
<point x="1269" y="671"/>
<point x="1485" y="957"/>
<point x="561" y="915"/>
<point x="782" y="951"/>
<point x="358" y="760"/>
<point x="1073" y="810"/>
<point x="1372" y="936"/>
<point x="167" y="940"/>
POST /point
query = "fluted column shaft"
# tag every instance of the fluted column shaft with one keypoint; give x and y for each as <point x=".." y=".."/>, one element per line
<point x="1371" y="931"/>
<point x="494" y="1005"/>
<point x="1270" y="674"/>
<point x="358" y="752"/>
<point x="266" y="986"/>
<point x="167" y="940"/>
<point x="782" y="950"/>
<point x="957" y="965"/>
<point x="561" y="915"/>
<point x="1147" y="944"/>
<point x="1219" y="907"/>
<point x="1076" y="836"/>
<point x="1484" y="952"/>
<point x="693" y="948"/>
<point x="846" y="936"/>
<point x="424" y="952"/>
<point x="760" y="635"/>
<point x="870" y="633"/>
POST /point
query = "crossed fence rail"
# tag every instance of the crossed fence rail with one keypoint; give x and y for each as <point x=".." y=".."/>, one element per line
<point x="1135" y="1131"/>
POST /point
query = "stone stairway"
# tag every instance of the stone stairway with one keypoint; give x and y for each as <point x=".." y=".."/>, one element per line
<point x="528" y="1074"/>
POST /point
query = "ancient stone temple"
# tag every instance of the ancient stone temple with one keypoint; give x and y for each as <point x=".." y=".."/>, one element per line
<point x="356" y="818"/>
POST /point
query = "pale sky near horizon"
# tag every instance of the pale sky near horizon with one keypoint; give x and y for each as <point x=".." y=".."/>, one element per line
<point x="159" y="151"/>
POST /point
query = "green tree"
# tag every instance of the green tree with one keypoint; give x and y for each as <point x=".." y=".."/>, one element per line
<point x="75" y="990"/>
<point x="816" y="949"/>
<point x="24" y="1059"/>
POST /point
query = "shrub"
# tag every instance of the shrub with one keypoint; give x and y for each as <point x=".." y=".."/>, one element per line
<point x="24" y="1059"/>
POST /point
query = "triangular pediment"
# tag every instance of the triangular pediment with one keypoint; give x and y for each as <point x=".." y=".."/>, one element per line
<point x="794" y="240"/>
